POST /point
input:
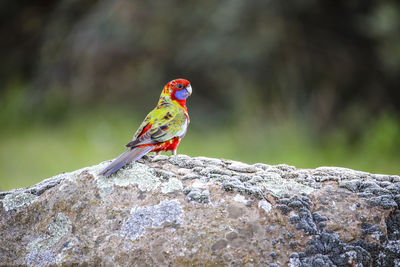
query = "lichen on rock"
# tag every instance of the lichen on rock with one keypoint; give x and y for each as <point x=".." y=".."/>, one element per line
<point x="41" y="252"/>
<point x="135" y="174"/>
<point x="16" y="200"/>
<point x="172" y="185"/>
<point x="151" y="216"/>
<point x="184" y="211"/>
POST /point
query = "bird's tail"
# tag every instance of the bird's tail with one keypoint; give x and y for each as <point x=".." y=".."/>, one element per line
<point x="123" y="159"/>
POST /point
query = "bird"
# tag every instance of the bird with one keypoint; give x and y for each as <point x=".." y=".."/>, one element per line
<point x="162" y="129"/>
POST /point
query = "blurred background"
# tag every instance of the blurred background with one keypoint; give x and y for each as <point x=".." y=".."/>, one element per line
<point x="306" y="83"/>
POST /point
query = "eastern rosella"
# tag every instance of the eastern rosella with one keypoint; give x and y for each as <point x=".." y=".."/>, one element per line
<point x="162" y="129"/>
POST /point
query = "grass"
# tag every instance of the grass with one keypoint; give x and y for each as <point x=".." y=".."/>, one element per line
<point x="37" y="149"/>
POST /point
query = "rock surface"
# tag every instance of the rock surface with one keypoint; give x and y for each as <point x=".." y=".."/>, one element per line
<point x="183" y="211"/>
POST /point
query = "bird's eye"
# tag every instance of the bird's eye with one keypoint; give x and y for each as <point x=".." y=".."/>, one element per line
<point x="179" y="86"/>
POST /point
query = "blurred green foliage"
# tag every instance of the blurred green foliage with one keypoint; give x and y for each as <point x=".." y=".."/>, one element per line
<point x="35" y="147"/>
<point x="307" y="83"/>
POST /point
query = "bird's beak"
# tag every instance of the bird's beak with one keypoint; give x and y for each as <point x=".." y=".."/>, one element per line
<point x="189" y="89"/>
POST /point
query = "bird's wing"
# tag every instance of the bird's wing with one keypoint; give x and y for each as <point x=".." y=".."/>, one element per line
<point x="160" y="125"/>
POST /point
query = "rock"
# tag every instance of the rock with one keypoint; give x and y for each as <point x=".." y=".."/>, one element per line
<point x="265" y="205"/>
<point x="143" y="219"/>
<point x="183" y="211"/>
<point x="172" y="185"/>
<point x="16" y="200"/>
<point x="242" y="167"/>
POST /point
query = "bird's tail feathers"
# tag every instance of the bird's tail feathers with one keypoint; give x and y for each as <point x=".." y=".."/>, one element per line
<point x="123" y="159"/>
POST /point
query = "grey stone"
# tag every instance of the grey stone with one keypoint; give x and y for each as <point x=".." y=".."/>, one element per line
<point x="195" y="194"/>
<point x="214" y="170"/>
<point x="172" y="185"/>
<point x="183" y="211"/>
<point x="209" y="161"/>
<point x="150" y="217"/>
<point x="16" y="200"/>
<point x="157" y="158"/>
<point x="386" y="201"/>
<point x="242" y="167"/>
<point x="219" y="244"/>
<point x="165" y="175"/>
<point x="182" y="161"/>
<point x="191" y="176"/>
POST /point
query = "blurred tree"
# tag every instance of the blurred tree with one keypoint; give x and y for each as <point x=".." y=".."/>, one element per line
<point x="333" y="61"/>
<point x="21" y="26"/>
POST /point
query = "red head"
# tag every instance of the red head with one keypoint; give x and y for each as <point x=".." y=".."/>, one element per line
<point x="178" y="90"/>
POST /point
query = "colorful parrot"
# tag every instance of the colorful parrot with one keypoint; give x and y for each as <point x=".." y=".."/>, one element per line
<point x="162" y="129"/>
